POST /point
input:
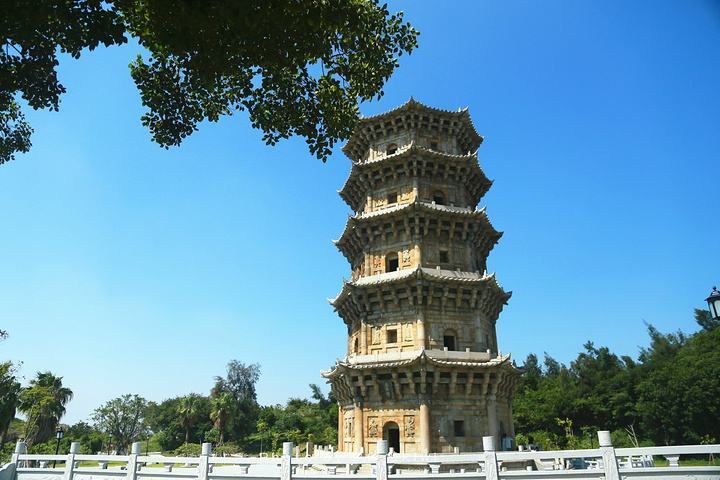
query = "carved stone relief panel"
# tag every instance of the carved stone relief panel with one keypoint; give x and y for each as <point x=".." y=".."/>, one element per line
<point x="377" y="264"/>
<point x="348" y="427"/>
<point x="407" y="257"/>
<point x="376" y="335"/>
<point x="373" y="426"/>
<point x="406" y="196"/>
<point x="410" y="426"/>
<point x="407" y="329"/>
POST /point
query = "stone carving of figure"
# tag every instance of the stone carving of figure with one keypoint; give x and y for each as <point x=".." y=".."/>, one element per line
<point x="375" y="335"/>
<point x="377" y="264"/>
<point x="410" y="426"/>
<point x="387" y="390"/>
<point x="407" y="331"/>
<point x="372" y="427"/>
<point x="406" y="257"/>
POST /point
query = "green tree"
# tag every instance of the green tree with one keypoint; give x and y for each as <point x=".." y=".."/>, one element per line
<point x="548" y="394"/>
<point x="43" y="403"/>
<point x="605" y="389"/>
<point x="298" y="67"/>
<point x="123" y="418"/>
<point x="163" y="419"/>
<point x="9" y="397"/>
<point x="188" y="411"/>
<point x="299" y="421"/>
<point x="239" y="383"/>
<point x="221" y="413"/>
<point x="680" y="388"/>
<point x="705" y="320"/>
<point x="91" y="439"/>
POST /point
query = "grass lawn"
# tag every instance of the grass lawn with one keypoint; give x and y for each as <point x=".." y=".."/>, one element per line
<point x="688" y="462"/>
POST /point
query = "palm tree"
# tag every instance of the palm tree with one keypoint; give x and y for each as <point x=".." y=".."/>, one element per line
<point x="43" y="403"/>
<point x="221" y="411"/>
<point x="188" y="410"/>
<point x="9" y="392"/>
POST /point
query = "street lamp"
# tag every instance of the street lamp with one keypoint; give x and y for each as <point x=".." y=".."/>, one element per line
<point x="58" y="435"/>
<point x="714" y="303"/>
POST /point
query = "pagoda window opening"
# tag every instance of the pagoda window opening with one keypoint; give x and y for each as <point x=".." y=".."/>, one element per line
<point x="392" y="148"/>
<point x="391" y="262"/>
<point x="356" y="345"/>
<point x="450" y="340"/>
<point x="459" y="428"/>
<point x="391" y="335"/>
<point x="438" y="197"/>
<point x="444" y="256"/>
<point x="392" y="197"/>
<point x="434" y="144"/>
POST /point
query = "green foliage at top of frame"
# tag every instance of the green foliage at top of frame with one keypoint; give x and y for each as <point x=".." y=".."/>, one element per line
<point x="298" y="67"/>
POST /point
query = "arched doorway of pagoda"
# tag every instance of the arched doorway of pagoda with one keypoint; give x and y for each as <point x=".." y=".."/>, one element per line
<point x="391" y="433"/>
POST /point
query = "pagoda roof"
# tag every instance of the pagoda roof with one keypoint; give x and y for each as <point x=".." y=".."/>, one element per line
<point x="409" y="160"/>
<point x="421" y="272"/>
<point x="442" y="358"/>
<point x="347" y="308"/>
<point x="411" y="114"/>
<point x="349" y="242"/>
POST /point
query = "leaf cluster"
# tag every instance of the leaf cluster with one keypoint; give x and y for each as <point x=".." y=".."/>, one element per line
<point x="298" y="67"/>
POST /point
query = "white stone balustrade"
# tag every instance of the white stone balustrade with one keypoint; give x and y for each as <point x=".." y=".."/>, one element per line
<point x="605" y="462"/>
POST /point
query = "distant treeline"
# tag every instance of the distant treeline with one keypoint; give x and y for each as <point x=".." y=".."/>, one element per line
<point x="669" y="395"/>
<point x="230" y="417"/>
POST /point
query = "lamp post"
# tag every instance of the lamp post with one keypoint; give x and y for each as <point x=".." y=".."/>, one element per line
<point x="713" y="302"/>
<point x="58" y="435"/>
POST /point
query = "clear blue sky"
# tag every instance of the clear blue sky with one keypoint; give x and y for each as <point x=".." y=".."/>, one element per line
<point x="126" y="268"/>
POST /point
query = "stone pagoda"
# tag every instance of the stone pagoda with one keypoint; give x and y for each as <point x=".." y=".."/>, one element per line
<point x="423" y="369"/>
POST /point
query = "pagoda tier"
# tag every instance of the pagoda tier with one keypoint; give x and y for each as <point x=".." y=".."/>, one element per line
<point x="474" y="388"/>
<point x="416" y="117"/>
<point x="421" y="372"/>
<point x="416" y="223"/>
<point x="429" y="287"/>
<point x="414" y="161"/>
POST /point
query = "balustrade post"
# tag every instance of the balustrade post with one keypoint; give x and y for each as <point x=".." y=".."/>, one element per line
<point x="20" y="449"/>
<point x="490" y="455"/>
<point x="132" y="465"/>
<point x="381" y="466"/>
<point x="610" y="463"/>
<point x="286" y="461"/>
<point x="70" y="462"/>
<point x="204" y="463"/>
